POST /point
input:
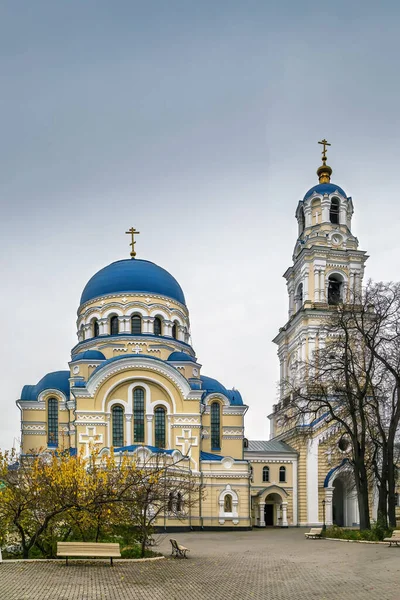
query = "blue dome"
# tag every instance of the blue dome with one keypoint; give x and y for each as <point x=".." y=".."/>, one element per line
<point x="58" y="380"/>
<point x="181" y="357"/>
<point x="213" y="386"/>
<point x="130" y="276"/>
<point x="89" y="355"/>
<point x="325" y="188"/>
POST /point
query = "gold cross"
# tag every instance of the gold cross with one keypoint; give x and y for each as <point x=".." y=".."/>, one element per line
<point x="132" y="231"/>
<point x="324" y="144"/>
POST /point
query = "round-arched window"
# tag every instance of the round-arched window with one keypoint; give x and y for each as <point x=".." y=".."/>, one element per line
<point x="157" y="326"/>
<point x="136" y="324"/>
<point x="114" y="325"/>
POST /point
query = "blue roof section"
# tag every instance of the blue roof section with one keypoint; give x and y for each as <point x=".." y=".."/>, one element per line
<point x="330" y="473"/>
<point x="152" y="448"/>
<point x="210" y="456"/>
<point x="325" y="188"/>
<point x="211" y="385"/>
<point x="89" y="355"/>
<point x="58" y="380"/>
<point x="115" y="358"/>
<point x="130" y="276"/>
<point x="80" y="383"/>
<point x="181" y="357"/>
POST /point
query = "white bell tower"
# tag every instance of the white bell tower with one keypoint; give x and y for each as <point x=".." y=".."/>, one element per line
<point x="327" y="269"/>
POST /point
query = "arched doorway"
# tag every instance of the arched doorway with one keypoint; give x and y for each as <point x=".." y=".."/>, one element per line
<point x="338" y="500"/>
<point x="272" y="511"/>
<point x="341" y="497"/>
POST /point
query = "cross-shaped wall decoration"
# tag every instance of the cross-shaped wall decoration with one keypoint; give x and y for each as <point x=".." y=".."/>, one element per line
<point x="186" y="442"/>
<point x="90" y="439"/>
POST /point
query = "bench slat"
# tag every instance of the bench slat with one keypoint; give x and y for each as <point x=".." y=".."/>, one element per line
<point x="88" y="549"/>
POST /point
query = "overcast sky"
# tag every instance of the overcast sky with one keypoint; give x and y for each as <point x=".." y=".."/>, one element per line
<point x="197" y="123"/>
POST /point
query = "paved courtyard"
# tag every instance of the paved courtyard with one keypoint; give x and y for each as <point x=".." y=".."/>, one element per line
<point x="259" y="565"/>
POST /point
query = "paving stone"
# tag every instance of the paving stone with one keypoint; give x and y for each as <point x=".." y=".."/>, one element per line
<point x="257" y="565"/>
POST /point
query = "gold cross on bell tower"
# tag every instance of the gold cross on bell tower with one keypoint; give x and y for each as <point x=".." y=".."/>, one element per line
<point x="132" y="231"/>
<point x="324" y="144"/>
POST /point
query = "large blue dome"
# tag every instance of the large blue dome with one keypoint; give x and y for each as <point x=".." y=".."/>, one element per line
<point x="325" y="188"/>
<point x="130" y="276"/>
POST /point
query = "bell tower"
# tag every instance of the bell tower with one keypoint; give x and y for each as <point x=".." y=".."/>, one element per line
<point x="327" y="269"/>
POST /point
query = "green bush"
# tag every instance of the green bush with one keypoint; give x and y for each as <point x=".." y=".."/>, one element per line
<point x="376" y="534"/>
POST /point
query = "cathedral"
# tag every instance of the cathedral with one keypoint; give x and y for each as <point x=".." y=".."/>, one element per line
<point x="134" y="383"/>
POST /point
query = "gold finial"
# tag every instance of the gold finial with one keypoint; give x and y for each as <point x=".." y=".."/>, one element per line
<point x="324" y="172"/>
<point x="132" y="231"/>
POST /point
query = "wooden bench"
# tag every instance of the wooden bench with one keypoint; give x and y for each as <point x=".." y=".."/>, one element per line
<point x="88" y="549"/>
<point x="395" y="539"/>
<point x="314" y="533"/>
<point x="178" y="550"/>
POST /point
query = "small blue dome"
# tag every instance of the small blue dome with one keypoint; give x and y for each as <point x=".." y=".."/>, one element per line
<point x="89" y="355"/>
<point x="325" y="188"/>
<point x="213" y="386"/>
<point x="58" y="380"/>
<point x="130" y="276"/>
<point x="181" y="357"/>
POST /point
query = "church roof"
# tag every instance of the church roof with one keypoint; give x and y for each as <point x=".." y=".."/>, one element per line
<point x="269" y="446"/>
<point x="58" y="380"/>
<point x="89" y="355"/>
<point x="325" y="188"/>
<point x="181" y="357"/>
<point x="211" y="385"/>
<point x="131" y="276"/>
<point x="210" y="456"/>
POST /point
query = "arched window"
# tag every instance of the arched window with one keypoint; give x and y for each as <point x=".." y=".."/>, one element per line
<point x="215" y="426"/>
<point x="316" y="211"/>
<point x="159" y="427"/>
<point x="52" y="422"/>
<point x="228" y="503"/>
<point x="282" y="474"/>
<point x="266" y="474"/>
<point x="335" y="289"/>
<point x="157" y="326"/>
<point x="299" y="296"/>
<point x="95" y="328"/>
<point x="245" y="443"/>
<point x="114" y="325"/>
<point x="334" y="211"/>
<point x="138" y="415"/>
<point x="117" y="426"/>
<point x="179" y="502"/>
<point x="136" y="324"/>
<point x="175" y="330"/>
<point x="302" y="220"/>
<point x="170" y="506"/>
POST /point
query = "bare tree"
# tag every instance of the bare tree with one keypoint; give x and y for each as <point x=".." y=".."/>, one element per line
<point x="354" y="381"/>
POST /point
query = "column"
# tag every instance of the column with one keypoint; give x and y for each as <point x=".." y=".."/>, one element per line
<point x="316" y="285"/>
<point x="291" y="301"/>
<point x="305" y="286"/>
<point x="262" y="513"/>
<point x="167" y="328"/>
<point x="351" y="286"/>
<point x="322" y="286"/>
<point x="307" y="214"/>
<point x="278" y="513"/>
<point x="342" y="214"/>
<point x="284" y="514"/>
<point x="103" y="326"/>
<point x="328" y="506"/>
<point x="128" y="429"/>
<point x="325" y="205"/>
<point x="181" y="333"/>
<point x="149" y="421"/>
<point x="294" y="497"/>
